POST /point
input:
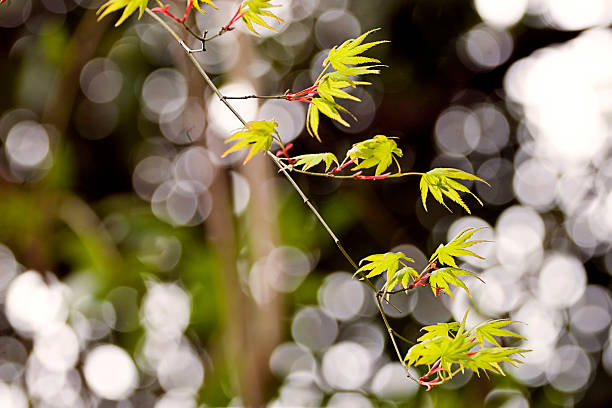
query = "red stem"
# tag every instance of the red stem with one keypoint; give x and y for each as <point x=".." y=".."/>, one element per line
<point x="340" y="168"/>
<point x="237" y="16"/>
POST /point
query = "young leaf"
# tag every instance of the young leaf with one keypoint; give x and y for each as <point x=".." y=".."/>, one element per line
<point x="380" y="263"/>
<point x="489" y="359"/>
<point x="312" y="121"/>
<point x="258" y="135"/>
<point x="402" y="277"/>
<point x="440" y="183"/>
<point x="310" y="160"/>
<point x="348" y="54"/>
<point x="130" y="7"/>
<point x="439" y="330"/>
<point x="333" y="83"/>
<point x="330" y="109"/>
<point x="487" y="331"/>
<point x="441" y="279"/>
<point x="449" y="344"/>
<point x="446" y="253"/>
<point x="196" y="4"/>
<point x="255" y="10"/>
<point x="379" y="151"/>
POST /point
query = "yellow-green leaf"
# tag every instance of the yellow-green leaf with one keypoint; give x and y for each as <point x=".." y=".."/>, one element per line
<point x="310" y="160"/>
<point x="129" y="6"/>
<point x="380" y="151"/>
<point x="196" y="4"/>
<point x="439" y="182"/>
<point x="254" y="11"/>
<point x="488" y="330"/>
<point x="256" y="135"/>
<point x="388" y="263"/>
<point x="349" y="54"/>
<point x="312" y="121"/>
<point x="441" y="280"/>
<point x="446" y="253"/>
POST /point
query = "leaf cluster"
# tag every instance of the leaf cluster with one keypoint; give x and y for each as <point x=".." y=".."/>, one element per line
<point x="379" y="151"/>
<point x="388" y="263"/>
<point x="440" y="182"/>
<point x="129" y="6"/>
<point x="258" y="135"/>
<point x="346" y="61"/>
<point x="254" y="11"/>
<point x="457" y="348"/>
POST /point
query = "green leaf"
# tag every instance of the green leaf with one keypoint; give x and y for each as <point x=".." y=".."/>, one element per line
<point x="381" y="263"/>
<point x="453" y="348"/>
<point x="255" y="10"/>
<point x="331" y="109"/>
<point x="333" y="83"/>
<point x="489" y="359"/>
<point x="349" y="54"/>
<point x="310" y="160"/>
<point x="196" y="4"/>
<point x="258" y="135"/>
<point x="441" y="280"/>
<point x="379" y="151"/>
<point x="439" y="330"/>
<point x="446" y="253"/>
<point x="312" y="121"/>
<point x="440" y="183"/>
<point x="487" y="331"/>
<point x="402" y="277"/>
<point x="130" y="7"/>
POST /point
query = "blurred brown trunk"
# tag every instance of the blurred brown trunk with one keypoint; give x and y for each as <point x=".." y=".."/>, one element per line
<point x="251" y="330"/>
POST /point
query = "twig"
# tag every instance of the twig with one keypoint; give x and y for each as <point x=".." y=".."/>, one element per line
<point x="283" y="169"/>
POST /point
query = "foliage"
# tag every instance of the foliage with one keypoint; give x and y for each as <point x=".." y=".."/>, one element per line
<point x="441" y="279"/>
<point x="349" y="54"/>
<point x="347" y="62"/>
<point x="258" y="135"/>
<point x="440" y="182"/>
<point x="389" y="263"/>
<point x="308" y="161"/>
<point x="254" y="11"/>
<point x="379" y="151"/>
<point x="448" y="348"/>
<point x="446" y="254"/>
<point x="130" y="7"/>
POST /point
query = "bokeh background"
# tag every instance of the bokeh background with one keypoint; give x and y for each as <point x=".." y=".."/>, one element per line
<point x="139" y="269"/>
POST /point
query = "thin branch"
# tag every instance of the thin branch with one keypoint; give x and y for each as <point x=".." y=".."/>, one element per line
<point x="257" y="97"/>
<point x="392" y="337"/>
<point x="283" y="169"/>
<point x="399" y="336"/>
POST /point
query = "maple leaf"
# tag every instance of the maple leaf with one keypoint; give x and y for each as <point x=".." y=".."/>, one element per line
<point x="402" y="277"/>
<point x="488" y="359"/>
<point x="446" y="253"/>
<point x="348" y="54"/>
<point x="379" y="151"/>
<point x="196" y="4"/>
<point x="333" y="83"/>
<point x="130" y="7"/>
<point x="258" y="135"/>
<point x="254" y="11"/>
<point x="381" y="263"/>
<point x="440" y="183"/>
<point x="441" y="279"/>
<point x="487" y="331"/>
<point x="438" y="330"/>
<point x="446" y="346"/>
<point x="310" y="160"/>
